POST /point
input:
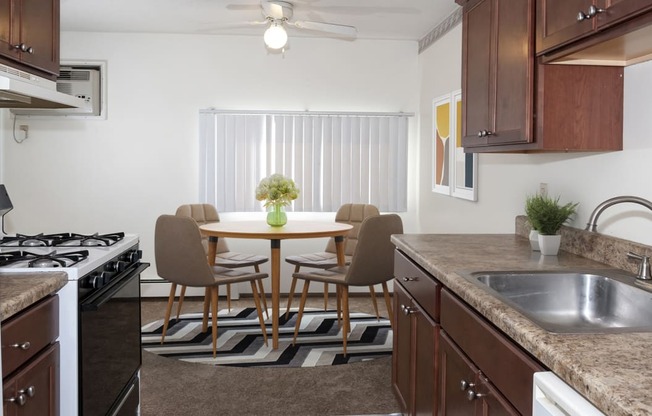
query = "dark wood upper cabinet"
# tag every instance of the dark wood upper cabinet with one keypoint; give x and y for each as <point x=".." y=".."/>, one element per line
<point x="497" y="85"/>
<point x="29" y="36"/>
<point x="511" y="101"/>
<point x="607" y="32"/>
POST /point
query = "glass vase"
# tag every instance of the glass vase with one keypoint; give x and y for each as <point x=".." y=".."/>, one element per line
<point x="276" y="217"/>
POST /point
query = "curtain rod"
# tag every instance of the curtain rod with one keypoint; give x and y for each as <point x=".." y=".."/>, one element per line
<point x="307" y="113"/>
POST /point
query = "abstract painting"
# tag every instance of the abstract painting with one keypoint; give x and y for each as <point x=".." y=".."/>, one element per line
<point x="441" y="134"/>
<point x="464" y="168"/>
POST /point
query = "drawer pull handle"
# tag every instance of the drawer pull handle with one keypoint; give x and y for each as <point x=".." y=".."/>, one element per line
<point x="30" y="391"/>
<point x="20" y="400"/>
<point x="410" y="278"/>
<point x="22" y="345"/>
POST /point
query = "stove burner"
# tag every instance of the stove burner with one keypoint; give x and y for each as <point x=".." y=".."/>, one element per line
<point x="62" y="239"/>
<point x="52" y="259"/>
<point x="94" y="240"/>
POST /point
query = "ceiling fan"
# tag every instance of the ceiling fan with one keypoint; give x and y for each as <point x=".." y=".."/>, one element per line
<point x="278" y="14"/>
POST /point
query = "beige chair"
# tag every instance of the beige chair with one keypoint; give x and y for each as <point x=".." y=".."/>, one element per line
<point x="206" y="214"/>
<point x="371" y="264"/>
<point x="352" y="214"/>
<point x="181" y="260"/>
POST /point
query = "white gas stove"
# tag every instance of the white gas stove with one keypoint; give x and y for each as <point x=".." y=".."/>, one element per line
<point x="103" y="289"/>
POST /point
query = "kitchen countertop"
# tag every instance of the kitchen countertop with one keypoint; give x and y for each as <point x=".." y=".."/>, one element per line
<point x="613" y="371"/>
<point x="18" y="291"/>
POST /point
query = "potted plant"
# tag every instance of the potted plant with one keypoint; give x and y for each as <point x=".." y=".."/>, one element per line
<point x="546" y="215"/>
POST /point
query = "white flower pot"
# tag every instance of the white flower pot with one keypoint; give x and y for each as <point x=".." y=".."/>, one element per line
<point x="549" y="244"/>
<point x="534" y="240"/>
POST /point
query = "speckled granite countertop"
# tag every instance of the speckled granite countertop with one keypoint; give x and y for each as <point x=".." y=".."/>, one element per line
<point x="613" y="371"/>
<point x="20" y="290"/>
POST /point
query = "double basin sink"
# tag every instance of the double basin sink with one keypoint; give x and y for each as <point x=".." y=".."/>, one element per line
<point x="603" y="301"/>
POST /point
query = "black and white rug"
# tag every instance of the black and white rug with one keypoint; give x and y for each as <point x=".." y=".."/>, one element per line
<point x="240" y="342"/>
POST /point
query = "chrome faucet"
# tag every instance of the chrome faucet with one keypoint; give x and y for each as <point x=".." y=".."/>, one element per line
<point x="644" y="269"/>
<point x="593" y="220"/>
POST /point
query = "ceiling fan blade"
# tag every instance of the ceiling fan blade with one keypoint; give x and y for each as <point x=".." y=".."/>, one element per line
<point x="343" y="30"/>
<point x="276" y="9"/>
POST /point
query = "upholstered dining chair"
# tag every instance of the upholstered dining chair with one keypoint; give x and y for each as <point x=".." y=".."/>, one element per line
<point x="372" y="263"/>
<point x="352" y="214"/>
<point x="181" y="260"/>
<point x="206" y="214"/>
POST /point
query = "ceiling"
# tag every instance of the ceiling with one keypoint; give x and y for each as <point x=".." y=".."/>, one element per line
<point x="374" y="19"/>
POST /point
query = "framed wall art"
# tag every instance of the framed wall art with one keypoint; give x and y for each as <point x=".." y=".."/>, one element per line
<point x="441" y="152"/>
<point x="464" y="166"/>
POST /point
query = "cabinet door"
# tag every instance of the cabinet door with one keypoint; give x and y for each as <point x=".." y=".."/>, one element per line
<point x="38" y="383"/>
<point x="491" y="402"/>
<point x="7" y="17"/>
<point x="402" y="350"/>
<point x="39" y="29"/>
<point x="426" y="363"/>
<point x="498" y="75"/>
<point x="457" y="378"/>
<point x="558" y="24"/>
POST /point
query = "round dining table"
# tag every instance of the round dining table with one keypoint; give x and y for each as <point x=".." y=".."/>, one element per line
<point x="261" y="230"/>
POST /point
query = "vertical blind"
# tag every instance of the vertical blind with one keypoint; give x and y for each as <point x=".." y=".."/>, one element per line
<point x="334" y="158"/>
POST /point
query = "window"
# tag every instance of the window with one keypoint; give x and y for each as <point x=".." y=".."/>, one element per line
<point x="334" y="158"/>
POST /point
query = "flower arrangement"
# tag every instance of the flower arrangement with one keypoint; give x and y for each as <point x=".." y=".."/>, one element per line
<point x="277" y="190"/>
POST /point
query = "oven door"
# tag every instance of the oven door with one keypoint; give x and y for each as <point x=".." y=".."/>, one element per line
<point x="109" y="343"/>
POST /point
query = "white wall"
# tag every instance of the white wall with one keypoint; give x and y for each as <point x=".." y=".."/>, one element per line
<point x="119" y="174"/>
<point x="505" y="180"/>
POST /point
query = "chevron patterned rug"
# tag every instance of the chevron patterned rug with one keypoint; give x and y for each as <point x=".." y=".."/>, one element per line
<point x="240" y="342"/>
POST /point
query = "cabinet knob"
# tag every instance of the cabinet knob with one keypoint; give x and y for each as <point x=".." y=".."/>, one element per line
<point x="410" y="279"/>
<point x="485" y="133"/>
<point x="19" y="400"/>
<point x="594" y="11"/>
<point x="407" y="310"/>
<point x="30" y="391"/>
<point x="465" y="385"/>
<point x="22" y="345"/>
<point x="472" y="395"/>
<point x="581" y="16"/>
<point x="24" y="48"/>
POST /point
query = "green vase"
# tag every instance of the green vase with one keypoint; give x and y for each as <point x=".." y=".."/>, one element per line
<point x="276" y="216"/>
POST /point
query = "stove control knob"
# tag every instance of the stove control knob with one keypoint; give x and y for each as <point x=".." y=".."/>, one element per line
<point x="115" y="266"/>
<point x="94" y="281"/>
<point x="132" y="256"/>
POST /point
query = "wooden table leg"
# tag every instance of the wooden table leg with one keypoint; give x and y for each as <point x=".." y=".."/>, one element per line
<point x="276" y="289"/>
<point x="212" y="250"/>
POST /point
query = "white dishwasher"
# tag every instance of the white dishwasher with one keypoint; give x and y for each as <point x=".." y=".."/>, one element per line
<point x="553" y="397"/>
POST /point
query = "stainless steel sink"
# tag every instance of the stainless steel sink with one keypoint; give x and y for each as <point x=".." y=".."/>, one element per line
<point x="573" y="301"/>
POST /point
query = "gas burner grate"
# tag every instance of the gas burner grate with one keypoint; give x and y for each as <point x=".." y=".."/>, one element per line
<point x="34" y="260"/>
<point x="62" y="240"/>
<point x="93" y="240"/>
<point x="37" y="240"/>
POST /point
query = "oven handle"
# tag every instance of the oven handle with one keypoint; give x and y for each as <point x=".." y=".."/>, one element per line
<point x="95" y="302"/>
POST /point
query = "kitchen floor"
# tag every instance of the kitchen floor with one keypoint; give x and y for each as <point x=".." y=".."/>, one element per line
<point x="172" y="387"/>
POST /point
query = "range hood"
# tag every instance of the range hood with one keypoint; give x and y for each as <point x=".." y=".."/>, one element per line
<point x="19" y="89"/>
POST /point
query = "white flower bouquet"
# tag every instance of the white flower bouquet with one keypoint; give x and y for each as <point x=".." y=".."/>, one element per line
<point x="277" y="190"/>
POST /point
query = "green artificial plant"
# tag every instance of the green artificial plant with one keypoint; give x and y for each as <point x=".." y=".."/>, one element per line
<point x="546" y="215"/>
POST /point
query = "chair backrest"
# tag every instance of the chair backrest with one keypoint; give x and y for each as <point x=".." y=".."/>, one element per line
<point x="203" y="214"/>
<point x="180" y="256"/>
<point x="373" y="260"/>
<point x="352" y="214"/>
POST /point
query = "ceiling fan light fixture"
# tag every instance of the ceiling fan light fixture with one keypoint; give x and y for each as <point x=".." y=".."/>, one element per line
<point x="275" y="36"/>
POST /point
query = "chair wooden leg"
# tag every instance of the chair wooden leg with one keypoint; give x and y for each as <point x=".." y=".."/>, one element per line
<point x="347" y="324"/>
<point x="302" y="304"/>
<point x="293" y="286"/>
<point x="372" y="292"/>
<point x="261" y="289"/>
<point x="228" y="296"/>
<point x="325" y="296"/>
<point x="181" y="296"/>
<point x="168" y="310"/>
<point x="388" y="304"/>
<point x="214" y="290"/>
<point x="260" y="313"/>
<point x="207" y="303"/>
<point x="338" y="295"/>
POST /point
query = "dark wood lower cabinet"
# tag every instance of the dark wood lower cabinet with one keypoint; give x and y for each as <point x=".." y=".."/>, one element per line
<point x="33" y="390"/>
<point x="454" y="365"/>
